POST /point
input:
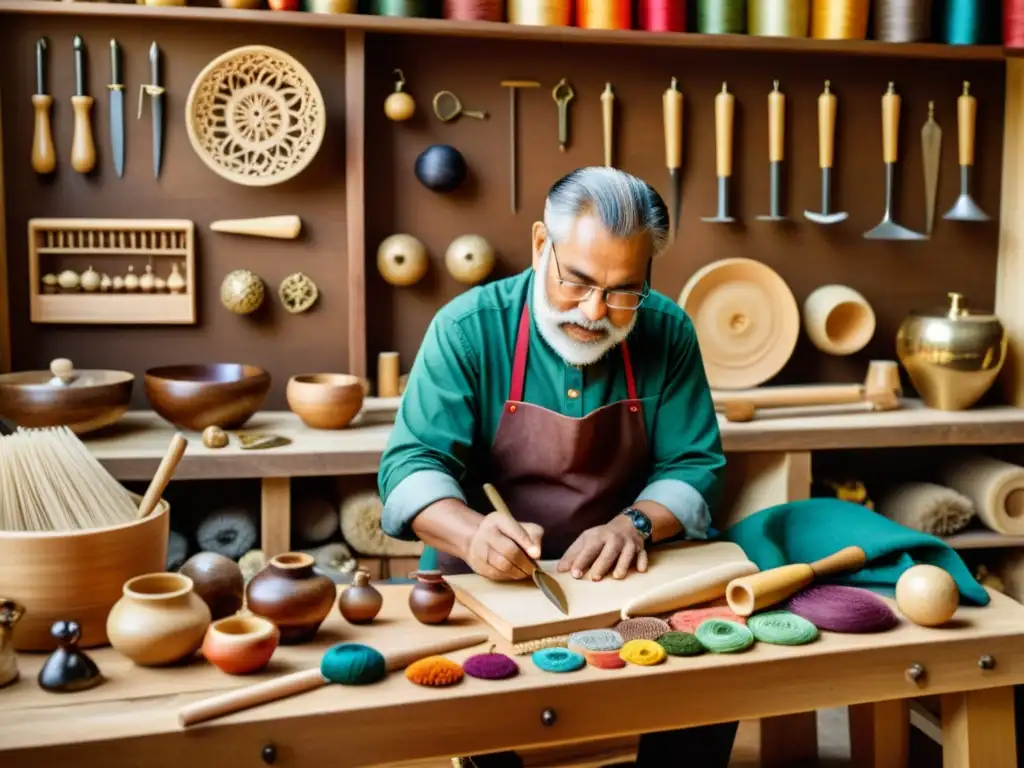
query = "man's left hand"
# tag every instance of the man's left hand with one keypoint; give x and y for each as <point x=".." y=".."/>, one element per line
<point x="612" y="547"/>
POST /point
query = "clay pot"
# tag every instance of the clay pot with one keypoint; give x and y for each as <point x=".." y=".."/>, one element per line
<point x="10" y="613"/>
<point x="361" y="602"/>
<point x="218" y="581"/>
<point x="432" y="599"/>
<point x="160" y="619"/>
<point x="290" y="594"/>
<point x="325" y="400"/>
<point x="240" y="645"/>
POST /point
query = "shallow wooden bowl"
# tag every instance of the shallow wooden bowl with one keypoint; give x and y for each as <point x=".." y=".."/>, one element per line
<point x="95" y="400"/>
<point x="195" y="397"/>
<point x="325" y="400"/>
<point x="77" y="575"/>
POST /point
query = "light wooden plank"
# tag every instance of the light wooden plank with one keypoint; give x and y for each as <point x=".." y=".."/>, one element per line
<point x="1009" y="304"/>
<point x="5" y="314"/>
<point x="978" y="729"/>
<point x="275" y="515"/>
<point x="880" y="734"/>
<point x="355" y="197"/>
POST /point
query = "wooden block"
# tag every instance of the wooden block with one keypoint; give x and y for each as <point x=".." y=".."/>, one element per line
<point x="375" y="567"/>
<point x="401" y="567"/>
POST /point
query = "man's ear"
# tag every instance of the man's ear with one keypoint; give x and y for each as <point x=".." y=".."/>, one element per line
<point x="539" y="234"/>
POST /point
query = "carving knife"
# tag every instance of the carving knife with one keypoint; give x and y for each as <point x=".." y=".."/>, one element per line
<point x="155" y="91"/>
<point x="547" y="583"/>
<point x="116" y="88"/>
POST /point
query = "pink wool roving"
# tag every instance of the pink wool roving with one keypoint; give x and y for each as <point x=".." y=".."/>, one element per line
<point x="837" y="608"/>
<point x="691" y="618"/>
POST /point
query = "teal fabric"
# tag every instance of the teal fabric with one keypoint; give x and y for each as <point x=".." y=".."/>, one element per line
<point x="804" y="531"/>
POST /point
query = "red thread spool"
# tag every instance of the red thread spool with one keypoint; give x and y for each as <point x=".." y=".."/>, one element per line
<point x="1013" y="23"/>
<point x="661" y="15"/>
<point x="604" y="14"/>
<point x="474" y="10"/>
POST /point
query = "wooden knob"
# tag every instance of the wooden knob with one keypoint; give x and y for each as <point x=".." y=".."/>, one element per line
<point x="83" y="148"/>
<point x="63" y="370"/>
<point x="725" y="107"/>
<point x="672" y="108"/>
<point x="966" y="115"/>
<point x="827" y="105"/>
<point x="776" y="124"/>
<point x="891" y="103"/>
<point x="44" y="157"/>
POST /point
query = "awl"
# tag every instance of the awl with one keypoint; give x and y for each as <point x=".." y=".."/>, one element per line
<point x="672" y="114"/>
<point x="116" y="89"/>
<point x="155" y="91"/>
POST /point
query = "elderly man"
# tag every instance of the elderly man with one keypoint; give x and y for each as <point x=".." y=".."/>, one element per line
<point x="579" y="393"/>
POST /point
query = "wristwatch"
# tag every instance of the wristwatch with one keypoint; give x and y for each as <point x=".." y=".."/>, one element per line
<point x="640" y="521"/>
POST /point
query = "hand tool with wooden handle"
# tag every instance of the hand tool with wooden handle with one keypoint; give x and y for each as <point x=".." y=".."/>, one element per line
<point x="608" y="121"/>
<point x="276" y="227"/>
<point x="748" y="594"/>
<point x="827" y="105"/>
<point x="155" y="91"/>
<point x="725" y="108"/>
<point x="776" y="151"/>
<point x="887" y="229"/>
<point x="740" y="411"/>
<point x="672" y="109"/>
<point x="83" y="147"/>
<point x="545" y="581"/>
<point x="44" y="157"/>
<point x="163" y="475"/>
<point x="309" y="680"/>
<point x="513" y="86"/>
<point x="965" y="209"/>
<point x="931" y="155"/>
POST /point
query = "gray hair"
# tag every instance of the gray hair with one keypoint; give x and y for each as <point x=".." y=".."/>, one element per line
<point x="625" y="204"/>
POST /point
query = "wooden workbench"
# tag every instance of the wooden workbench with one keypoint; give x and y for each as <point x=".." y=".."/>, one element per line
<point x="131" y="720"/>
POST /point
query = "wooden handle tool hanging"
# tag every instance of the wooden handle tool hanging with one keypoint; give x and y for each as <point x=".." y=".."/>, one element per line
<point x="83" y="146"/>
<point x="827" y="108"/>
<point x="966" y="118"/>
<point x="776" y="152"/>
<point x="608" y="121"/>
<point x="891" y="104"/>
<point x="513" y="86"/>
<point x="163" y="475"/>
<point x="931" y="155"/>
<point x="725" y="111"/>
<point x="44" y="157"/>
<point x="672" y="114"/>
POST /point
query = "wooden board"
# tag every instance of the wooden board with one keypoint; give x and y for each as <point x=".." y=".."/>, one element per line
<point x="518" y="610"/>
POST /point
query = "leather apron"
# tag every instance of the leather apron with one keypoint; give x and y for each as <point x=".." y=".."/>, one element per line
<point x="564" y="473"/>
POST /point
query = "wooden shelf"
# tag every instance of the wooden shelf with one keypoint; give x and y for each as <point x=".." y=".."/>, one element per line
<point x="503" y="31"/>
<point x="118" y="308"/>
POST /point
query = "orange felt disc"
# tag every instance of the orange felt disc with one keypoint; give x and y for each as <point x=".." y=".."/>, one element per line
<point x="435" y="671"/>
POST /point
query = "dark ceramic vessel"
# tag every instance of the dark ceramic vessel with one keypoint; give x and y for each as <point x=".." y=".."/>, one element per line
<point x="432" y="599"/>
<point x="361" y="602"/>
<point x="68" y="669"/>
<point x="218" y="580"/>
<point x="195" y="397"/>
<point x="289" y="593"/>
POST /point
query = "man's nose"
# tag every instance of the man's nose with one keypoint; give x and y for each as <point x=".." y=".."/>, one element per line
<point x="594" y="307"/>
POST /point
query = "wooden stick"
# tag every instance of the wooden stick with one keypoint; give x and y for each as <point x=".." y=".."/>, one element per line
<point x="163" y="474"/>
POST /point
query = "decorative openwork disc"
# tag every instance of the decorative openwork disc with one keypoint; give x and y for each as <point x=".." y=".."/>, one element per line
<point x="255" y="116"/>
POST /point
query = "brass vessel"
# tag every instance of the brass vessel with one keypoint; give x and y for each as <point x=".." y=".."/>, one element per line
<point x="952" y="356"/>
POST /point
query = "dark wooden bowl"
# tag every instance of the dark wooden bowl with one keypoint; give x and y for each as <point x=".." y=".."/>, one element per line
<point x="97" y="399"/>
<point x="195" y="397"/>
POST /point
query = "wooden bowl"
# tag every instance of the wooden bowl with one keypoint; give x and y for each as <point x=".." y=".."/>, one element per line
<point x="325" y="400"/>
<point x="79" y="575"/>
<point x="96" y="399"/>
<point x="195" y="397"/>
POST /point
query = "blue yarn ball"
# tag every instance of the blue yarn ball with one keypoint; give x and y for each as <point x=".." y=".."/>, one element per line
<point x="353" y="664"/>
<point x="558" y="660"/>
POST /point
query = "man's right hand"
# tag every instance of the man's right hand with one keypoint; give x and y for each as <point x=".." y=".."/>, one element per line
<point x="496" y="548"/>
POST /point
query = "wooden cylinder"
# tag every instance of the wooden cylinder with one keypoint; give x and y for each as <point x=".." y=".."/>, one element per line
<point x="83" y="148"/>
<point x="776" y="124"/>
<point x="778" y="18"/>
<point x="672" y="114"/>
<point x="966" y="115"/>
<point x="891" y="103"/>
<point x="838" y="320"/>
<point x="603" y="14"/>
<point x="387" y="374"/>
<point x="540" y="13"/>
<point x="725" y="106"/>
<point x="840" y="19"/>
<point x="607" y="120"/>
<point x="44" y="158"/>
<point x="827" y="106"/>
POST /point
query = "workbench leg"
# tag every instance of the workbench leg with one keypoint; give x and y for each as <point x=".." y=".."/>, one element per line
<point x="789" y="740"/>
<point x="978" y="729"/>
<point x="880" y="734"/>
<point x="275" y="515"/>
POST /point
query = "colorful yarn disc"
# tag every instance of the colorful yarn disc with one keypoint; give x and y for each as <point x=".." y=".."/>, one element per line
<point x="434" y="671"/>
<point x="642" y="628"/>
<point x="645" y="653"/>
<point x="838" y="608"/>
<point x="782" y="628"/>
<point x="353" y="664"/>
<point x="596" y="640"/>
<point x="604" y="659"/>
<point x="558" y="660"/>
<point x="490" y="666"/>
<point x="723" y="636"/>
<point x="680" y="644"/>
<point x="691" y="618"/>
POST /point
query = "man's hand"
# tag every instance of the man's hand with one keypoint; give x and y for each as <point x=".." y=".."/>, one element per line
<point x="606" y="548"/>
<point x="496" y="548"/>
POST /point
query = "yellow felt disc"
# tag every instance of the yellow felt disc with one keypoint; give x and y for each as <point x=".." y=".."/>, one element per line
<point x="646" y="653"/>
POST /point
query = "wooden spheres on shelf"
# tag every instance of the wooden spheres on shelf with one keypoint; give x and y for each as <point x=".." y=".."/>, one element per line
<point x="195" y="397"/>
<point x="469" y="259"/>
<point x="399" y="105"/>
<point x="242" y="292"/>
<point x="927" y="595"/>
<point x="441" y="168"/>
<point x="402" y="260"/>
<point x="325" y="400"/>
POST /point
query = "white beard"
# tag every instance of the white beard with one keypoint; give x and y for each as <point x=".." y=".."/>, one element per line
<point x="549" y="322"/>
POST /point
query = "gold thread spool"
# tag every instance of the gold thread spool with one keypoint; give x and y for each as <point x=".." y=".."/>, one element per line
<point x="840" y="19"/>
<point x="778" y="18"/>
<point x="540" y="13"/>
<point x="603" y="14"/>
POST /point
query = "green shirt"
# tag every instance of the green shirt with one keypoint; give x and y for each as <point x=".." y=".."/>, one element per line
<point x="460" y="381"/>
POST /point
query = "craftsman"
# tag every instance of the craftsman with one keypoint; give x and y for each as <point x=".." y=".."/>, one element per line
<point x="580" y="394"/>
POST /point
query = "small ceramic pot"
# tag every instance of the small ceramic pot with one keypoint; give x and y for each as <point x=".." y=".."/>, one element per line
<point x="290" y="594"/>
<point x="361" y="602"/>
<point x="240" y="645"/>
<point x="10" y="613"/>
<point x="159" y="620"/>
<point x="432" y="599"/>
<point x="217" y="580"/>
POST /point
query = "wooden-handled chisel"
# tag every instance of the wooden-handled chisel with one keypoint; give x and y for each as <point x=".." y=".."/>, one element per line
<point x="672" y="109"/>
<point x="83" y="147"/>
<point x="44" y="158"/>
<point x="155" y="91"/>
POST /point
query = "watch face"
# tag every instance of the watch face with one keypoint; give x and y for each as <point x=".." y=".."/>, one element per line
<point x="640" y="521"/>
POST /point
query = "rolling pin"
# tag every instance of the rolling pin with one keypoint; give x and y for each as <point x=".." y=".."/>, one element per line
<point x="796" y="394"/>
<point x="748" y="594"/>
<point x="686" y="591"/>
<point x="739" y="411"/>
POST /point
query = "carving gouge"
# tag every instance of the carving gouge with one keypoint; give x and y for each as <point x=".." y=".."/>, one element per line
<point x="44" y="158"/>
<point x="83" y="148"/>
<point x="116" y="88"/>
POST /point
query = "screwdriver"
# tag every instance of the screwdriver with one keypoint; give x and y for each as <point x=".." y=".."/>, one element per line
<point x="83" y="149"/>
<point x="44" y="159"/>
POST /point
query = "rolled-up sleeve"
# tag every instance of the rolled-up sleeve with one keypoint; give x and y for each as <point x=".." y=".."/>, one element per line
<point x="426" y="453"/>
<point x="686" y="446"/>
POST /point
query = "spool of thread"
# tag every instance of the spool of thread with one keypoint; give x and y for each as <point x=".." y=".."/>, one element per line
<point x="603" y="14"/>
<point x="721" y="17"/>
<point x="661" y="15"/>
<point x="778" y="18"/>
<point x="540" y="13"/>
<point x="474" y="10"/>
<point x="1013" y="23"/>
<point x="406" y="9"/>
<point x="965" y="22"/>
<point x="839" y="19"/>
<point x="902" y="21"/>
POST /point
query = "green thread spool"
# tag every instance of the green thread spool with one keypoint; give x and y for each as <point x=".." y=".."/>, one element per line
<point x="778" y="18"/>
<point x="721" y="17"/>
<point x="722" y="636"/>
<point x="406" y="9"/>
<point x="782" y="628"/>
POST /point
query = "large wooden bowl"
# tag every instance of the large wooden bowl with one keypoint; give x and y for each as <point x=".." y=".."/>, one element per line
<point x="325" y="400"/>
<point x="199" y="396"/>
<point x="77" y="575"/>
<point x="95" y="400"/>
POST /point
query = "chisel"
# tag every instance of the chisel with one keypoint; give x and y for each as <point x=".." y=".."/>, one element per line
<point x="965" y="209"/>
<point x="776" y="141"/>
<point x="827" y="104"/>
<point x="44" y="159"/>
<point x="155" y="91"/>
<point x="83" y="148"/>
<point x="116" y="88"/>
<point x="672" y="108"/>
<point x="725" y="108"/>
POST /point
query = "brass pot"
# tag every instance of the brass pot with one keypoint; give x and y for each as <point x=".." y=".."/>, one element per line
<point x="952" y="356"/>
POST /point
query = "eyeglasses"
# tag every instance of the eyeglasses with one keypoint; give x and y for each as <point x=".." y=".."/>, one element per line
<point x="616" y="299"/>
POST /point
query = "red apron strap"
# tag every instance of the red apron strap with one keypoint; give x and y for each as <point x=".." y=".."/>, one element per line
<point x="515" y="391"/>
<point x="628" y="365"/>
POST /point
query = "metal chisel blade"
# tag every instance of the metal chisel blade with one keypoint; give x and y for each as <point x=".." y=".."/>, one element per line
<point x="117" y="129"/>
<point x="158" y="134"/>
<point x="551" y="589"/>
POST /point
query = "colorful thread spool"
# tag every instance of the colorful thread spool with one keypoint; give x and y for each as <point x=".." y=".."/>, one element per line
<point x="722" y="636"/>
<point x="661" y="15"/>
<point x="782" y="628"/>
<point x="1013" y="23"/>
<point x="540" y="13"/>
<point x="604" y="659"/>
<point x="721" y="17"/>
<point x="596" y="640"/>
<point x="643" y="653"/>
<point x="965" y="22"/>
<point x="902" y="21"/>
<point x="778" y="18"/>
<point x="558" y="660"/>
<point x="642" y="628"/>
<point x="405" y="9"/>
<point x="603" y="14"/>
<point x="839" y="19"/>
<point x="688" y="620"/>
<point x="474" y="10"/>
<point x="681" y="644"/>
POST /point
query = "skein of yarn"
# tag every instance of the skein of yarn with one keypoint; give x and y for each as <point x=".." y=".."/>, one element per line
<point x="902" y="21"/>
<point x="839" y="19"/>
